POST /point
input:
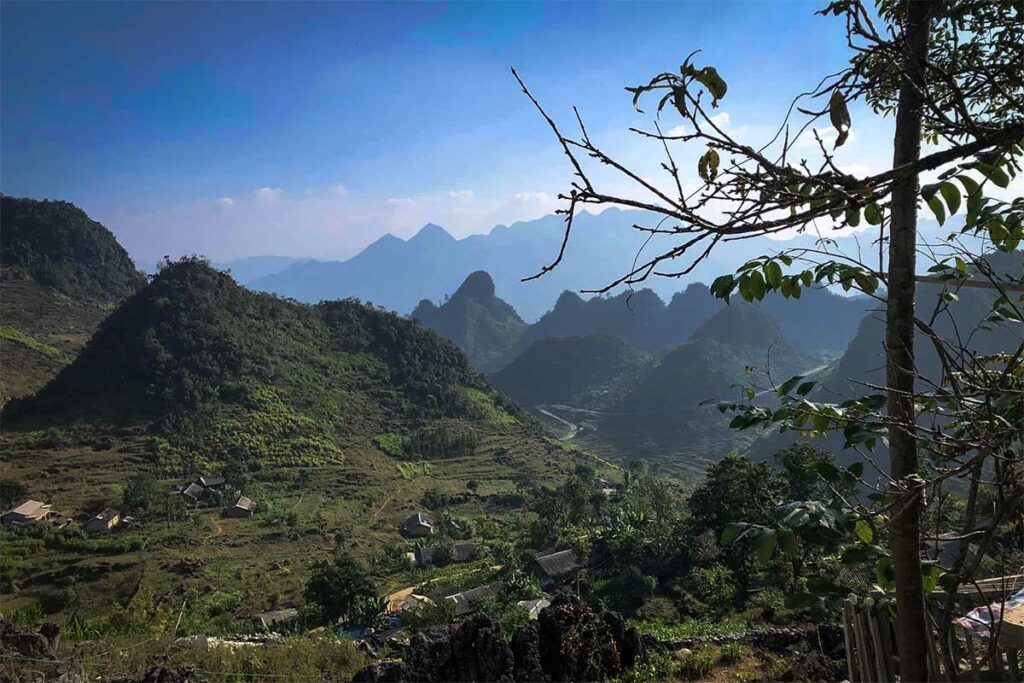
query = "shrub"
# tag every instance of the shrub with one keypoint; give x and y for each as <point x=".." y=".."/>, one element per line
<point x="711" y="590"/>
<point x="731" y="653"/>
<point x="695" y="665"/>
<point x="392" y="444"/>
<point x="658" y="608"/>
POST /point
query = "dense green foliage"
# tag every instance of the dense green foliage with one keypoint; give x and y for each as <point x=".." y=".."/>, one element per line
<point x="342" y="589"/>
<point x="227" y="375"/>
<point x="61" y="247"/>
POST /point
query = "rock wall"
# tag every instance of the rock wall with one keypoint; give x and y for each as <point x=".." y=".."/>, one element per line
<point x="568" y="642"/>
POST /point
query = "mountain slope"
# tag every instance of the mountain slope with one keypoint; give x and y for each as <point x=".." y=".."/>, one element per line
<point x="197" y="357"/>
<point x="662" y="417"/>
<point x="60" y="274"/>
<point x="575" y="370"/>
<point x="477" y="321"/>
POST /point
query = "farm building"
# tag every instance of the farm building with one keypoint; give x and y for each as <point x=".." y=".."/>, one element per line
<point x="419" y="525"/>
<point x="104" y="521"/>
<point x="282" y="615"/>
<point x="193" y="492"/>
<point x="213" y="481"/>
<point x="551" y="567"/>
<point x="533" y="607"/>
<point x="467" y="601"/>
<point x="243" y="507"/>
<point x="29" y="512"/>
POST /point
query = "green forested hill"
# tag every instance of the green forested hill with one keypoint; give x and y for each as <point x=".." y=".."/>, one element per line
<point x="338" y="419"/>
<point x="480" y="323"/>
<point x="63" y="249"/>
<point x="60" y="274"/>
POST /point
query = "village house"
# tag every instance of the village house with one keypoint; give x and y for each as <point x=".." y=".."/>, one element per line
<point x="425" y="556"/>
<point x="419" y="525"/>
<point x="467" y="601"/>
<point x="243" y="507"/>
<point x="104" y="521"/>
<point x="193" y="493"/>
<point x="213" y="481"/>
<point x="463" y="552"/>
<point x="533" y="607"/>
<point x="59" y="521"/>
<point x="29" y="512"/>
<point x="282" y="615"/>
<point x="551" y="568"/>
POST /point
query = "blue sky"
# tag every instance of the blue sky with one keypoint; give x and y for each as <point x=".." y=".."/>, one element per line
<point x="236" y="129"/>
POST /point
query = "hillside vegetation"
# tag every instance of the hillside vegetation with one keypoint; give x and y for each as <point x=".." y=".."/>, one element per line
<point x="339" y="420"/>
<point x="481" y="324"/>
<point x="61" y="273"/>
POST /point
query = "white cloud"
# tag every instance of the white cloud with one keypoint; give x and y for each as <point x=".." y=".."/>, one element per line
<point x="339" y="190"/>
<point x="827" y="135"/>
<point x="721" y="119"/>
<point x="530" y="197"/>
<point x="676" y="131"/>
<point x="225" y="202"/>
<point x="269" y="195"/>
<point x="461" y="195"/>
<point x="400" y="201"/>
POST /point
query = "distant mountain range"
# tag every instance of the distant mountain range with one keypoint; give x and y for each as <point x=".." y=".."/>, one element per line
<point x="397" y="274"/>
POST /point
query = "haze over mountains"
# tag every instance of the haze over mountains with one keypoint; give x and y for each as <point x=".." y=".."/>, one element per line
<point x="434" y="264"/>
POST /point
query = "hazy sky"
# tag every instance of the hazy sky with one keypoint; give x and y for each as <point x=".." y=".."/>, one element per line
<point x="236" y="129"/>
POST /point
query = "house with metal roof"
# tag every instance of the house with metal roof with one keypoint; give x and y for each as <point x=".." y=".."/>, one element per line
<point x="550" y="568"/>
<point x="243" y="507"/>
<point x="212" y="481"/>
<point x="193" y="493"/>
<point x="419" y="525"/>
<point x="104" y="521"/>
<point x="29" y="512"/>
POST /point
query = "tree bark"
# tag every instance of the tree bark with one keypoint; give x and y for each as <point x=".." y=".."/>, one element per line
<point x="905" y="543"/>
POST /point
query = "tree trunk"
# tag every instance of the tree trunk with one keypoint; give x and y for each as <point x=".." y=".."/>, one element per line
<point x="905" y="543"/>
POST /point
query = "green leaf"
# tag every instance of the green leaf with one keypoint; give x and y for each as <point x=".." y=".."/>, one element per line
<point x="773" y="273"/>
<point x="731" y="533"/>
<point x="951" y="194"/>
<point x="971" y="185"/>
<point x="787" y="539"/>
<point x="767" y="547"/>
<point x="839" y="113"/>
<point x="864" y="531"/>
<point x="757" y="285"/>
<point x="715" y="84"/>
<point x="935" y="204"/>
<point x="885" y="572"/>
<point x="994" y="173"/>
<point x="872" y="214"/>
<point x="853" y="216"/>
<point x="788" y="385"/>
<point x="930" y="574"/>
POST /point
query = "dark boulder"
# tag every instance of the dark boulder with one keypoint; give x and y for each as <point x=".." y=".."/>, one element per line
<point x="526" y="654"/>
<point x="568" y="642"/>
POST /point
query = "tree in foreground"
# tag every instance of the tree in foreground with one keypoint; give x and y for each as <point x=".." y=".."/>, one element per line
<point x="950" y="73"/>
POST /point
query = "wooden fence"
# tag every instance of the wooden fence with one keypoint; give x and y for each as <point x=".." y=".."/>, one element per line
<point x="872" y="656"/>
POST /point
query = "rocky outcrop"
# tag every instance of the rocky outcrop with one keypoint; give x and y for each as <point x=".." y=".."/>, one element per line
<point x="568" y="642"/>
<point x="25" y="654"/>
